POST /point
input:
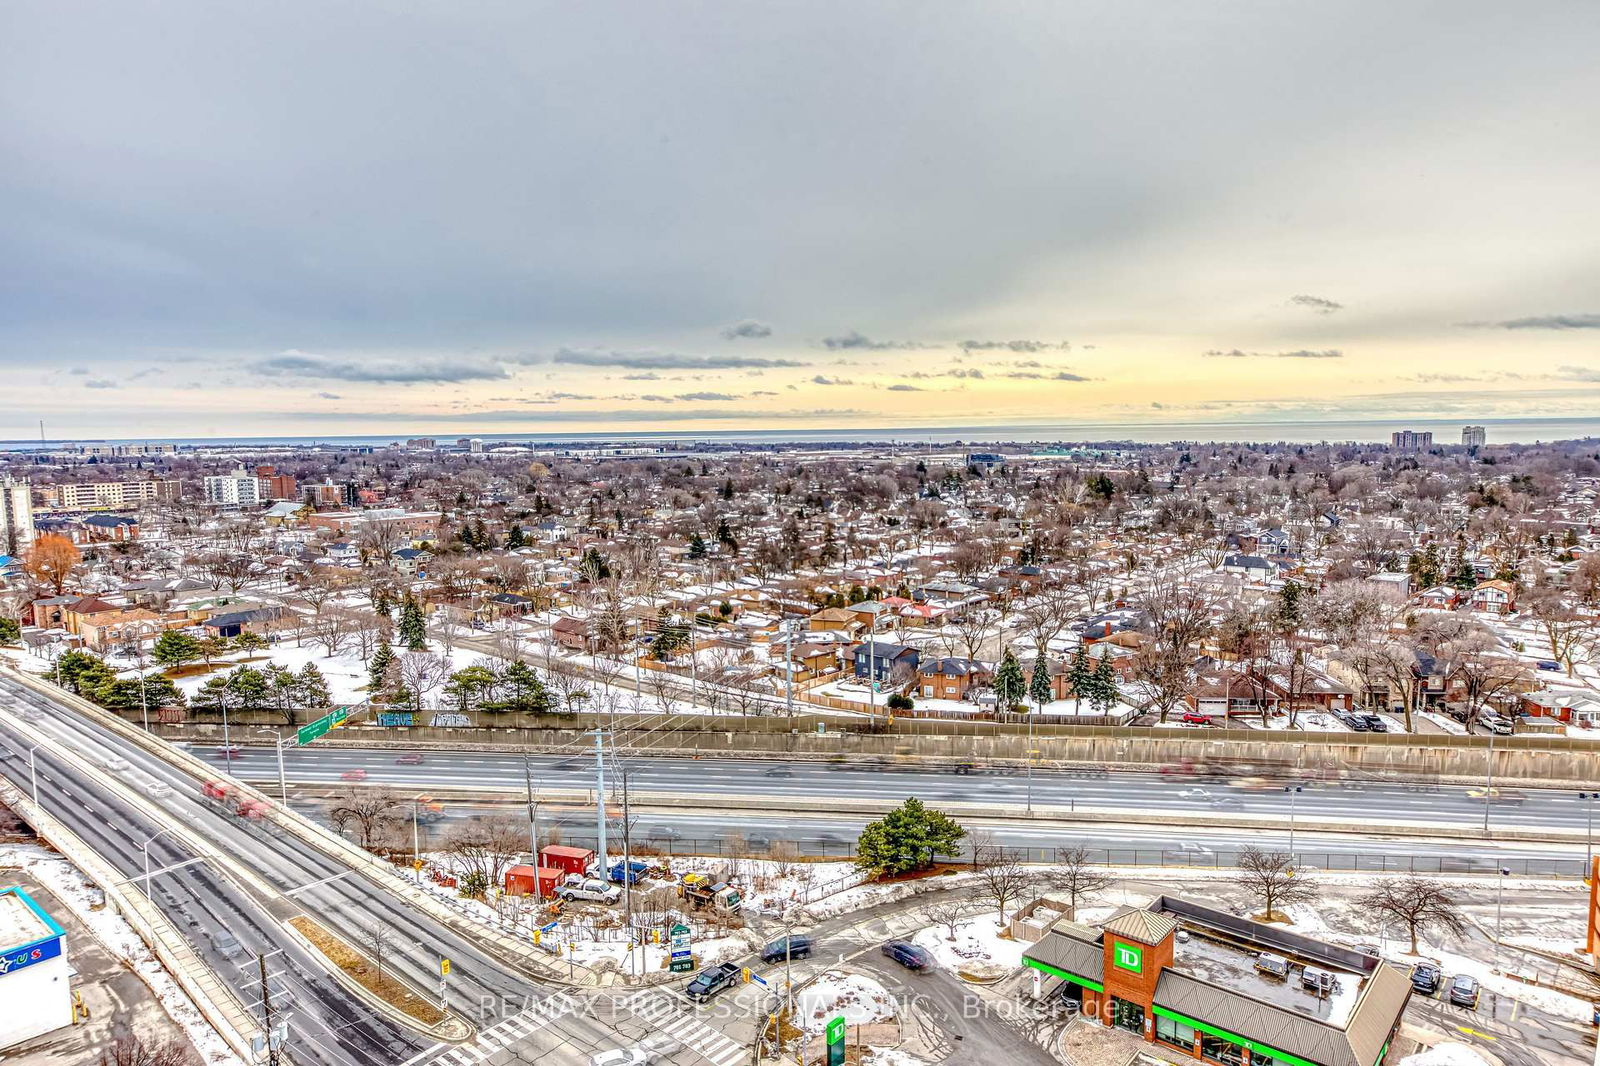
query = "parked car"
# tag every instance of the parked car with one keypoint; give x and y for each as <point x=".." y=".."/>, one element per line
<point x="708" y="983"/>
<point x="1464" y="991"/>
<point x="1502" y="726"/>
<point x="793" y="947"/>
<point x="410" y="758"/>
<point x="908" y="955"/>
<point x="1374" y="723"/>
<point x="1355" y="723"/>
<point x="589" y="889"/>
<point x="1426" y="978"/>
<point x="1195" y="718"/>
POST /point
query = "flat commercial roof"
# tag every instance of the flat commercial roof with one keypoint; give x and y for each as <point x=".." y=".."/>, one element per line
<point x="22" y="921"/>
<point x="1234" y="967"/>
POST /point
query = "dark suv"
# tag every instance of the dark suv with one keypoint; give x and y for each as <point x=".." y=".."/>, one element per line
<point x="1426" y="978"/>
<point x="908" y="955"/>
<point x="792" y="947"/>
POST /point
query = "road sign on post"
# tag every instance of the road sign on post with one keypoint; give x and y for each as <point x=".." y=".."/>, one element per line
<point x="836" y="1041"/>
<point x="307" y="733"/>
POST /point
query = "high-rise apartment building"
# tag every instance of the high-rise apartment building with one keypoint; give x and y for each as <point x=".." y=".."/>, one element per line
<point x="276" y="486"/>
<point x="1474" y="436"/>
<point x="89" y="495"/>
<point x="1408" y="440"/>
<point x="238" y="489"/>
<point x="16" y="515"/>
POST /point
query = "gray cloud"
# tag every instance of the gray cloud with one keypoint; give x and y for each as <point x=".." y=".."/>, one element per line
<point x="99" y="383"/>
<point x="329" y="396"/>
<point x="1585" y="321"/>
<point x="1316" y="303"/>
<point x="298" y="364"/>
<point x="707" y="396"/>
<point x="747" y="328"/>
<point x="568" y="396"/>
<point x="906" y="388"/>
<point x="1299" y="353"/>
<point x="821" y="380"/>
<point x="1067" y="375"/>
<point x="854" y="340"/>
<point x="965" y="373"/>
<point x="651" y="360"/>
<point x="1014" y="346"/>
<point x="1578" y="373"/>
<point x="79" y="370"/>
<point x="534" y="419"/>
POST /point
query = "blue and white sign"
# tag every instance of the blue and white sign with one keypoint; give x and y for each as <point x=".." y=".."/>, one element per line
<point x="18" y="958"/>
<point x="404" y="718"/>
<point x="548" y="928"/>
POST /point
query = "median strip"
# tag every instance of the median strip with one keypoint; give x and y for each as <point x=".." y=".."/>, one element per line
<point x="366" y="973"/>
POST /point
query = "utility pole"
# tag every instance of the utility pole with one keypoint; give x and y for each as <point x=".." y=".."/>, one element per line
<point x="266" y="1009"/>
<point x="1488" y="789"/>
<point x="788" y="668"/>
<point x="627" y="868"/>
<point x="533" y="810"/>
<point x="600" y="796"/>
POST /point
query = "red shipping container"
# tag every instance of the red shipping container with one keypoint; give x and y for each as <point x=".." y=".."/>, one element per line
<point x="569" y="860"/>
<point x="531" y="881"/>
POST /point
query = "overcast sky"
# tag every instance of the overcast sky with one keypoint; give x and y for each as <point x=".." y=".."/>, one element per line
<point x="220" y="218"/>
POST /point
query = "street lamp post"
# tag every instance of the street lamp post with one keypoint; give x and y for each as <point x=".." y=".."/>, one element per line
<point x="416" y="840"/>
<point x="1294" y="791"/>
<point x="145" y="847"/>
<point x="33" y="773"/>
<point x="144" y="706"/>
<point x="1588" y="800"/>
<point x="1488" y="787"/>
<point x="1499" y="898"/>
<point x="283" y="781"/>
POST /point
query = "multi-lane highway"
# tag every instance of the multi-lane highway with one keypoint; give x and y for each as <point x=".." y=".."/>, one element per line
<point x="131" y="795"/>
<point x="785" y="789"/>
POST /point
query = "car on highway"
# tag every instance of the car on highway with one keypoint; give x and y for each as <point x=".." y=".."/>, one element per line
<point x="1426" y="978"/>
<point x="622" y="1056"/>
<point x="410" y="758"/>
<point x="707" y="984"/>
<point x="908" y="955"/>
<point x="1196" y="794"/>
<point x="228" y="946"/>
<point x="778" y="771"/>
<point x="230" y="751"/>
<point x="1195" y="718"/>
<point x="1497" y="795"/>
<point x="787" y="947"/>
<point x="663" y="832"/>
<point x="1464" y="991"/>
<point x="353" y="775"/>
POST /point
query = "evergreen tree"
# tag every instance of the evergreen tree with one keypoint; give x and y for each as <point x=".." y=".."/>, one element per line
<point x="311" y="688"/>
<point x="524" y="692"/>
<point x="175" y="648"/>
<point x="413" y="630"/>
<point x="697" y="547"/>
<point x="727" y="489"/>
<point x="1080" y="675"/>
<point x="382" y="604"/>
<point x="515" y="538"/>
<point x="1105" y="694"/>
<point x="1010" y="687"/>
<point x="380" y="670"/>
<point x="725" y="535"/>
<point x="907" y="838"/>
<point x="1039" y="683"/>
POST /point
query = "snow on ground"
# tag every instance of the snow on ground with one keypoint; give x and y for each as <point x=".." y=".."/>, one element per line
<point x="72" y="888"/>
<point x="891" y="1056"/>
<point x="978" y="947"/>
<point x="874" y="895"/>
<point x="1446" y="1054"/>
<point x="858" y="997"/>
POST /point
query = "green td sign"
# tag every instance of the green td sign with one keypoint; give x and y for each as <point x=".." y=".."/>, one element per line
<point x="307" y="733"/>
<point x="836" y="1041"/>
<point x="1127" y="957"/>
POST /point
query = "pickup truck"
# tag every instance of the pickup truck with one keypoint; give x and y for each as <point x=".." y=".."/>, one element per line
<point x="708" y="983"/>
<point x="589" y="889"/>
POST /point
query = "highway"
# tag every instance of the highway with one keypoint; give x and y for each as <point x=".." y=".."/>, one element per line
<point x="790" y="784"/>
<point x="330" y="1025"/>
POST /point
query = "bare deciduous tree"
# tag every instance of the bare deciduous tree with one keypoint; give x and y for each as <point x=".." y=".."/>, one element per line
<point x="1271" y="880"/>
<point x="369" y="811"/>
<point x="131" y="1049"/>
<point x="1078" y="875"/>
<point x="1418" y="903"/>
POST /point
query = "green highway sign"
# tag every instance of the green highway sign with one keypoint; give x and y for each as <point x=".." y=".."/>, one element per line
<point x="307" y="733"/>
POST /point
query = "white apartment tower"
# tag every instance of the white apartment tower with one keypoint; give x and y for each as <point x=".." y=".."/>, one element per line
<point x="16" y="515"/>
<point x="239" y="489"/>
<point x="1474" y="436"/>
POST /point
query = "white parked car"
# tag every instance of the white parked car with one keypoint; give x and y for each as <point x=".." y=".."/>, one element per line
<point x="590" y="889"/>
<point x="622" y="1056"/>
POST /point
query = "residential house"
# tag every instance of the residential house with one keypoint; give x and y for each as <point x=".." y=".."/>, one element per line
<point x="952" y="678"/>
<point x="575" y="634"/>
<point x="1579" y="707"/>
<point x="834" y="619"/>
<point x="1494" y="597"/>
<point x="411" y="562"/>
<point x="1440" y="597"/>
<point x="257" y="620"/>
<point x="110" y="527"/>
<point x="883" y="662"/>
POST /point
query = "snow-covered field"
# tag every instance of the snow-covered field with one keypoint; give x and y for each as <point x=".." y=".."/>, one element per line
<point x="859" y="998"/>
<point x="978" y="948"/>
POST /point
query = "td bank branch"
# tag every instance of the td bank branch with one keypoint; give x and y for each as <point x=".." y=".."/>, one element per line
<point x="1224" y="989"/>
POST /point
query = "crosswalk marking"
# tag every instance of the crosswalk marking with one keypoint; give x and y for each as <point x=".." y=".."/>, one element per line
<point x="500" y="1036"/>
<point x="664" y="1013"/>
